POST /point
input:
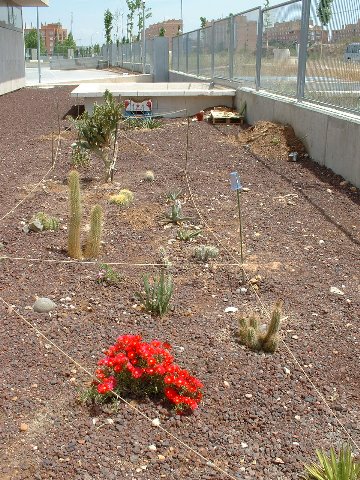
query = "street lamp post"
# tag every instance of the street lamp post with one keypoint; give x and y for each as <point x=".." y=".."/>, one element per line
<point x="38" y="42"/>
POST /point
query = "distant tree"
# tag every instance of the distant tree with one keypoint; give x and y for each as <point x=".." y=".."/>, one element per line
<point x="267" y="22"/>
<point x="324" y="11"/>
<point x="69" y="42"/>
<point x="108" y="20"/>
<point x="324" y="14"/>
<point x="162" y="32"/>
<point x="96" y="49"/>
<point x="203" y="22"/>
<point x="31" y="41"/>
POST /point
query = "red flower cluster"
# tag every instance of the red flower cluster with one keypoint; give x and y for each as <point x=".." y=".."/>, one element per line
<point x="138" y="367"/>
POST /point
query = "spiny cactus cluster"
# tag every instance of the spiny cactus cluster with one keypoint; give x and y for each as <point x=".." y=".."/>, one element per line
<point x="47" y="222"/>
<point x="251" y="336"/>
<point x="204" y="252"/>
<point x="92" y="245"/>
<point x="123" y="198"/>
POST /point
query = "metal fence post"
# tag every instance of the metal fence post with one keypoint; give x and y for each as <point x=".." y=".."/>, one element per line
<point x="178" y="54"/>
<point x="304" y="35"/>
<point x="259" y="45"/>
<point x="213" y="50"/>
<point x="198" y="54"/>
<point x="231" y="46"/>
<point x="187" y="53"/>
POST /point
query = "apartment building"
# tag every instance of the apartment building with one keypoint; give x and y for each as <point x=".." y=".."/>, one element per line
<point x="50" y="32"/>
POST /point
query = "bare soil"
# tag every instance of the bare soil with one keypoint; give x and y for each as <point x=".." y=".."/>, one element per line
<point x="262" y="416"/>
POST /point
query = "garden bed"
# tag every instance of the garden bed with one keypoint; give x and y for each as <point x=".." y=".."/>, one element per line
<point x="261" y="416"/>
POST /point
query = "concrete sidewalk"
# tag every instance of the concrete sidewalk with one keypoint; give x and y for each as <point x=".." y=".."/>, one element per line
<point x="67" y="77"/>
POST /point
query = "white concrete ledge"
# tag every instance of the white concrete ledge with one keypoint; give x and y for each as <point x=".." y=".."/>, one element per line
<point x="172" y="99"/>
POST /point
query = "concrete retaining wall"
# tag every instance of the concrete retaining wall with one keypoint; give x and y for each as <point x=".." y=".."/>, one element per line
<point x="331" y="137"/>
<point x="12" y="60"/>
<point x="57" y="63"/>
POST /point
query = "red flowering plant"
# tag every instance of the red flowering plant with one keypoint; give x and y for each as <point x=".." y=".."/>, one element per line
<point x="136" y="368"/>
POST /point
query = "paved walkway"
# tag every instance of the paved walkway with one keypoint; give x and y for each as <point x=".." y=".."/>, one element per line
<point x="67" y="77"/>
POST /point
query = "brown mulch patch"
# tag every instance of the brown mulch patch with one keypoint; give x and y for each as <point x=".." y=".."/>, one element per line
<point x="272" y="140"/>
<point x="261" y="417"/>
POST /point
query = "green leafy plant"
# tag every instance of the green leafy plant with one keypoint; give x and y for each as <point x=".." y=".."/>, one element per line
<point x="92" y="246"/>
<point x="108" y="276"/>
<point x="157" y="294"/>
<point x="74" y="241"/>
<point x="138" y="123"/>
<point x="173" y="196"/>
<point x="149" y="176"/>
<point x="175" y="214"/>
<point x="187" y="235"/>
<point x="250" y="335"/>
<point x="334" y="467"/>
<point x="46" y="221"/>
<point x="123" y="198"/>
<point x="204" y="252"/>
<point x="108" y="25"/>
<point x="98" y="132"/>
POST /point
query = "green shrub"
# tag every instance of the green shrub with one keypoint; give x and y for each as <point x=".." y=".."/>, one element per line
<point x="334" y="467"/>
<point x="157" y="295"/>
<point x="98" y="131"/>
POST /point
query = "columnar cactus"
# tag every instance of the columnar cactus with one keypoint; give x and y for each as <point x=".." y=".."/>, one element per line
<point x="74" y="242"/>
<point x="92" y="247"/>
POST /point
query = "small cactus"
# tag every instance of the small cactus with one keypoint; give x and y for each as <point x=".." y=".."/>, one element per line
<point x="204" y="252"/>
<point x="74" y="243"/>
<point x="249" y="332"/>
<point x="149" y="176"/>
<point x="92" y="247"/>
<point x="123" y="198"/>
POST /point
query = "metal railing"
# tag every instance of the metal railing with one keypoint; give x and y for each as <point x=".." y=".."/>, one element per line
<point x="294" y="49"/>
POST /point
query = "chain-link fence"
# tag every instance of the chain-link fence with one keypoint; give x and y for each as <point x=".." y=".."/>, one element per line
<point x="305" y="49"/>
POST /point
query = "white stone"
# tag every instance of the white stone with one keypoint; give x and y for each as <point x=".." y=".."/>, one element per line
<point x="286" y="371"/>
<point x="43" y="305"/>
<point x="336" y="290"/>
<point x="231" y="309"/>
<point x="152" y="448"/>
<point x="156" y="422"/>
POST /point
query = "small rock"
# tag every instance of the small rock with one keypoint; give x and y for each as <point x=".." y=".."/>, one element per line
<point x="161" y="458"/>
<point x="244" y="445"/>
<point x="24" y="427"/>
<point x="321" y="242"/>
<point x="231" y="309"/>
<point x="279" y="460"/>
<point x="43" y="305"/>
<point x="152" y="448"/>
<point x="343" y="183"/>
<point x="295" y="337"/>
<point x="156" y="422"/>
<point x="36" y="226"/>
<point x="248" y="395"/>
<point x="286" y="371"/>
<point x="226" y="384"/>
<point x="297" y="417"/>
<point x="336" y="290"/>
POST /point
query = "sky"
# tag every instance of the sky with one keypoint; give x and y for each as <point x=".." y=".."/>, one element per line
<point x="88" y="15"/>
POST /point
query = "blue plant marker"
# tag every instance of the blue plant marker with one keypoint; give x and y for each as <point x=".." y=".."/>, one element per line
<point x="235" y="181"/>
